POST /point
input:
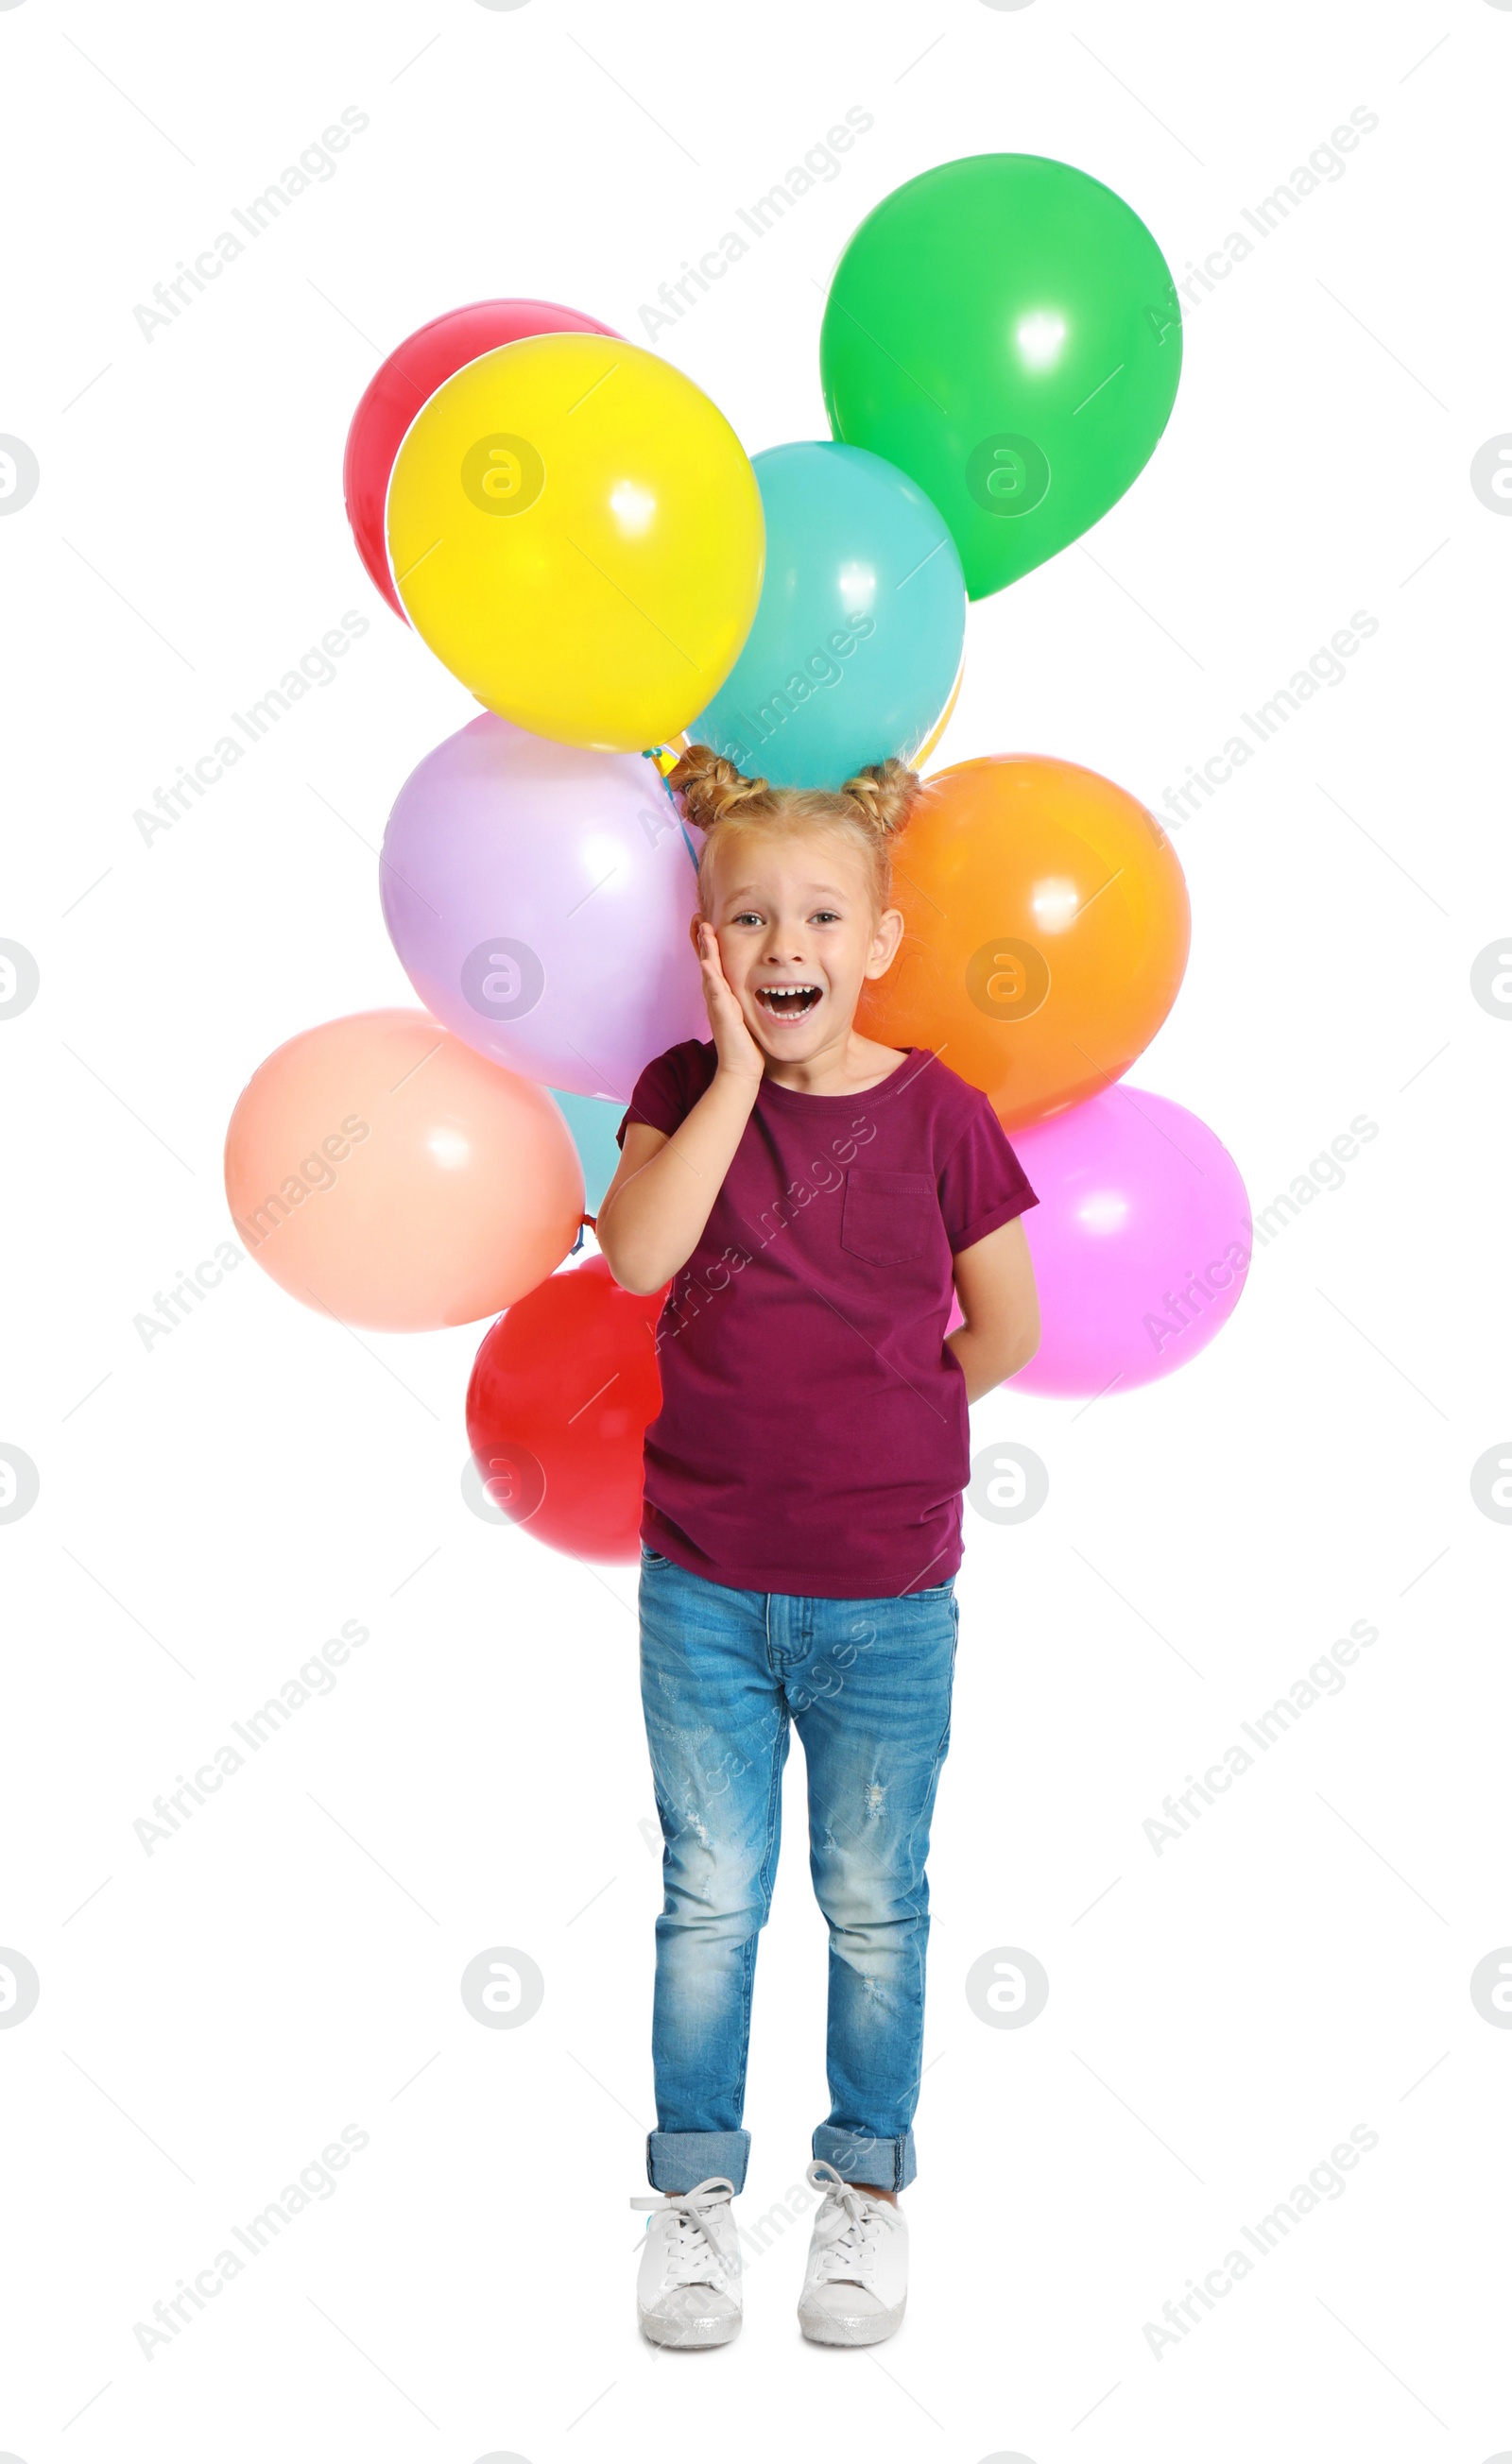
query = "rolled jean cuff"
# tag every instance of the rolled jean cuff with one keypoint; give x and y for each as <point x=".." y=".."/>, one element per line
<point x="679" y="2160"/>
<point x="887" y="2163"/>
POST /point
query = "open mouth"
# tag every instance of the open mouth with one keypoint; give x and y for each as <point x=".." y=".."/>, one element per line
<point x="787" y="1000"/>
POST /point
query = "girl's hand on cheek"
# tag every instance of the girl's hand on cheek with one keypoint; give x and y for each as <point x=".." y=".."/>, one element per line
<point x="735" y="1047"/>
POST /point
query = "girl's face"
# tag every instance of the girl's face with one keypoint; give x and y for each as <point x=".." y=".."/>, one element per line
<point x="798" y="936"/>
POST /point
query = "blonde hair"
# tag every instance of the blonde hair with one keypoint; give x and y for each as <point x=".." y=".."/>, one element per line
<point x="870" y="809"/>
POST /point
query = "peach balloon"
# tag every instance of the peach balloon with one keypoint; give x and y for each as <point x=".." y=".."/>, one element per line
<point x="381" y="1170"/>
<point x="1046" y="927"/>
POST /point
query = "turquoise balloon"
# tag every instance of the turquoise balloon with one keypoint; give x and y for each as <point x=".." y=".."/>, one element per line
<point x="856" y="642"/>
<point x="593" y="1124"/>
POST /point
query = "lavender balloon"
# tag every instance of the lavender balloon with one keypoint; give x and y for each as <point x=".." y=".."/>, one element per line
<point x="1140" y="1243"/>
<point x="538" y="895"/>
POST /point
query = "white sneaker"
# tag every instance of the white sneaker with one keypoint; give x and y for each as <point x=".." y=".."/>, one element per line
<point x="688" y="2290"/>
<point x="856" y="2289"/>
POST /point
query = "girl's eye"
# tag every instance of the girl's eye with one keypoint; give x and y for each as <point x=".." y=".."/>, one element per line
<point x="749" y="915"/>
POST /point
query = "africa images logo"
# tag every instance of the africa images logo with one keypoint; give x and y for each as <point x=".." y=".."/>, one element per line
<point x="502" y="475"/>
<point x="1008" y="475"/>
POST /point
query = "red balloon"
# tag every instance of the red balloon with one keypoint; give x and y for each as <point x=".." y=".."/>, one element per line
<point x="561" y="1393"/>
<point x="403" y="386"/>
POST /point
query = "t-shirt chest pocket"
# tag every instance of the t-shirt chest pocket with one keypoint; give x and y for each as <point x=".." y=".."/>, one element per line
<point x="888" y="1216"/>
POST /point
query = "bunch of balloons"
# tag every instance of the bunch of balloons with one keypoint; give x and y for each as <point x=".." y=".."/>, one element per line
<point x="574" y="530"/>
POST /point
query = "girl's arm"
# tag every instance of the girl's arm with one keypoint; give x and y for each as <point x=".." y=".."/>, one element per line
<point x="994" y="1282"/>
<point x="662" y="1195"/>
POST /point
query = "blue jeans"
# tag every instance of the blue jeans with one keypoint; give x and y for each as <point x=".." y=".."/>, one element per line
<point x="724" y="1676"/>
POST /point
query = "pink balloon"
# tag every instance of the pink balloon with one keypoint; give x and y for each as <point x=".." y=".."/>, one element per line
<point x="539" y="897"/>
<point x="1140" y="1241"/>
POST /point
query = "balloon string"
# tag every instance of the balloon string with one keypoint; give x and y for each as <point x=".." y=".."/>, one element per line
<point x="592" y="1221"/>
<point x="663" y="760"/>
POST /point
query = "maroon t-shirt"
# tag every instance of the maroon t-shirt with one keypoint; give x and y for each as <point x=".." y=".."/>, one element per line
<point x="812" y="1437"/>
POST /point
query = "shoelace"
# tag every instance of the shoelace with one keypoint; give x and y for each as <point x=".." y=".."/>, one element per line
<point x="849" y="2256"/>
<point x="693" y="2258"/>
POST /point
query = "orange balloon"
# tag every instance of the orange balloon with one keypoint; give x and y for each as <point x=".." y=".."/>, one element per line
<point x="1046" y="931"/>
<point x="382" y="1171"/>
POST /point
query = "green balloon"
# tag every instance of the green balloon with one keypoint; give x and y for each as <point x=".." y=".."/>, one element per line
<point x="1006" y="330"/>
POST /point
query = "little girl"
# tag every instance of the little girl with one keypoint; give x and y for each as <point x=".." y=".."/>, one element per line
<point x="812" y="1197"/>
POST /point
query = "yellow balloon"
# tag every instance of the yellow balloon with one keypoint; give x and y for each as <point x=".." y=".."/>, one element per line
<point x="942" y="723"/>
<point x="577" y="534"/>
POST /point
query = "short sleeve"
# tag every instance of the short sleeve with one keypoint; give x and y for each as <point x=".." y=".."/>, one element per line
<point x="983" y="1184"/>
<point x="666" y="1090"/>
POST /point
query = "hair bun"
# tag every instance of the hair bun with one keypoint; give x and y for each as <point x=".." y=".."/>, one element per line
<point x="886" y="792"/>
<point x="710" y="786"/>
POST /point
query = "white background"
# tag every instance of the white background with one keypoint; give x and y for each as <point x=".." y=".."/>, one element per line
<point x="211" y="1509"/>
